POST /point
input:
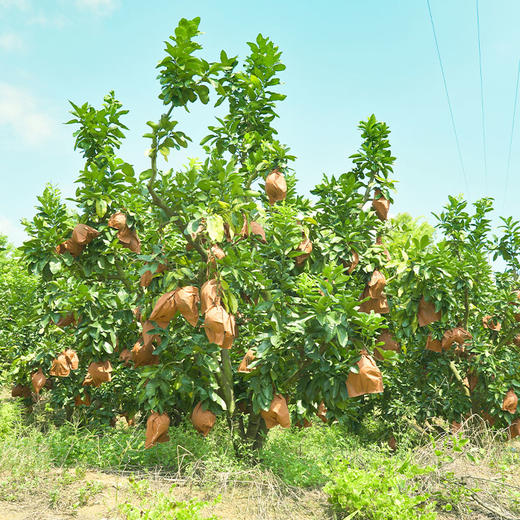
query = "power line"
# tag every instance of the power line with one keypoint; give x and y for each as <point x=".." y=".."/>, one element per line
<point x="511" y="137"/>
<point x="482" y="99"/>
<point x="448" y="97"/>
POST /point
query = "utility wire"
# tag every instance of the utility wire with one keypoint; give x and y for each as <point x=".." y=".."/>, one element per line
<point x="448" y="97"/>
<point x="484" y="151"/>
<point x="511" y="137"/>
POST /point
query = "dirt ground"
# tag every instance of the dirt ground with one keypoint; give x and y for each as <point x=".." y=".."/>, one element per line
<point x="251" y="502"/>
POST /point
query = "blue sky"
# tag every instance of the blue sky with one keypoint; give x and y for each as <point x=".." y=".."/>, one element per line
<point x="345" y="60"/>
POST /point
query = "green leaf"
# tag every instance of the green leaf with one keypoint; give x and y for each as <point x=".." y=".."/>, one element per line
<point x="215" y="227"/>
<point x="54" y="266"/>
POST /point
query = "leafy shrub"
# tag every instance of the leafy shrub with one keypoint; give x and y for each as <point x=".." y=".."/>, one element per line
<point x="382" y="490"/>
<point x="161" y="506"/>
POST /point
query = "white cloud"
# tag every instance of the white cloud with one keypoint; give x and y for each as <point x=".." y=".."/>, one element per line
<point x="14" y="231"/>
<point x="19" y="111"/>
<point x="10" y="42"/>
<point x="19" y="4"/>
<point x="56" y="20"/>
<point x="100" y="7"/>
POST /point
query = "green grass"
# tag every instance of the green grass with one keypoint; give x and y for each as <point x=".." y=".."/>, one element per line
<point x="357" y="472"/>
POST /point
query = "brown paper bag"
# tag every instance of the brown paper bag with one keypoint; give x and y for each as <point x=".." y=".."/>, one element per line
<point x="514" y="428"/>
<point x="72" y="358"/>
<point x="117" y="220"/>
<point x="164" y="309"/>
<point x="202" y="420"/>
<point x="60" y="366"/>
<point x="142" y="354"/>
<point x="156" y="429"/>
<point x="427" y="313"/>
<point x="306" y="248"/>
<point x="38" y="380"/>
<point x="215" y="324"/>
<point x="354" y="262"/>
<point x="83" y="234"/>
<point x="377" y="305"/>
<point x="278" y="413"/>
<point x="209" y="295"/>
<point x="98" y="373"/>
<point x="243" y="368"/>
<point x="21" y="391"/>
<point x="490" y="323"/>
<point x="433" y="344"/>
<point x="125" y="357"/>
<point x="85" y="401"/>
<point x="457" y="335"/>
<point x="147" y="276"/>
<point x="275" y="186"/>
<point x="389" y="343"/>
<point x="186" y="302"/>
<point x="69" y="246"/>
<point x="368" y="380"/>
<point x="322" y="412"/>
<point x="381" y="205"/>
<point x="510" y="402"/>
<point x="376" y="284"/>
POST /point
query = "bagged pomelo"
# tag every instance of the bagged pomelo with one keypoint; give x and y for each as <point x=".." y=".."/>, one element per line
<point x="72" y="358"/>
<point x="253" y="229"/>
<point x="21" y="391"/>
<point x="322" y="412"/>
<point x="368" y="380"/>
<point x="164" y="309"/>
<point x="381" y="205"/>
<point x="354" y="262"/>
<point x="125" y="356"/>
<point x="492" y="324"/>
<point x="186" y="301"/>
<point x="209" y="295"/>
<point x="117" y="220"/>
<point x="67" y="320"/>
<point x="230" y="332"/>
<point x="202" y="420"/>
<point x="306" y="248"/>
<point x="85" y="400"/>
<point x="514" y="428"/>
<point x="219" y="326"/>
<point x="457" y="335"/>
<point x="278" y="413"/>
<point x="60" y="367"/>
<point x="378" y="305"/>
<point x="98" y="373"/>
<point x="64" y="363"/>
<point x="275" y="186"/>
<point x="128" y="238"/>
<point x="257" y="230"/>
<point x="38" y="380"/>
<point x="243" y="368"/>
<point x="379" y="242"/>
<point x="69" y="246"/>
<point x="156" y="429"/>
<point x="389" y="343"/>
<point x="217" y="252"/>
<point x="376" y="285"/>
<point x="510" y="402"/>
<point x="432" y="344"/>
<point x="427" y="313"/>
<point x="147" y="337"/>
<point x="83" y="234"/>
<point x="142" y="354"/>
<point x="147" y="276"/>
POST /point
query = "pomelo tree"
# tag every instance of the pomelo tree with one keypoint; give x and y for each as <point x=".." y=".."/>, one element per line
<point x="280" y="277"/>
